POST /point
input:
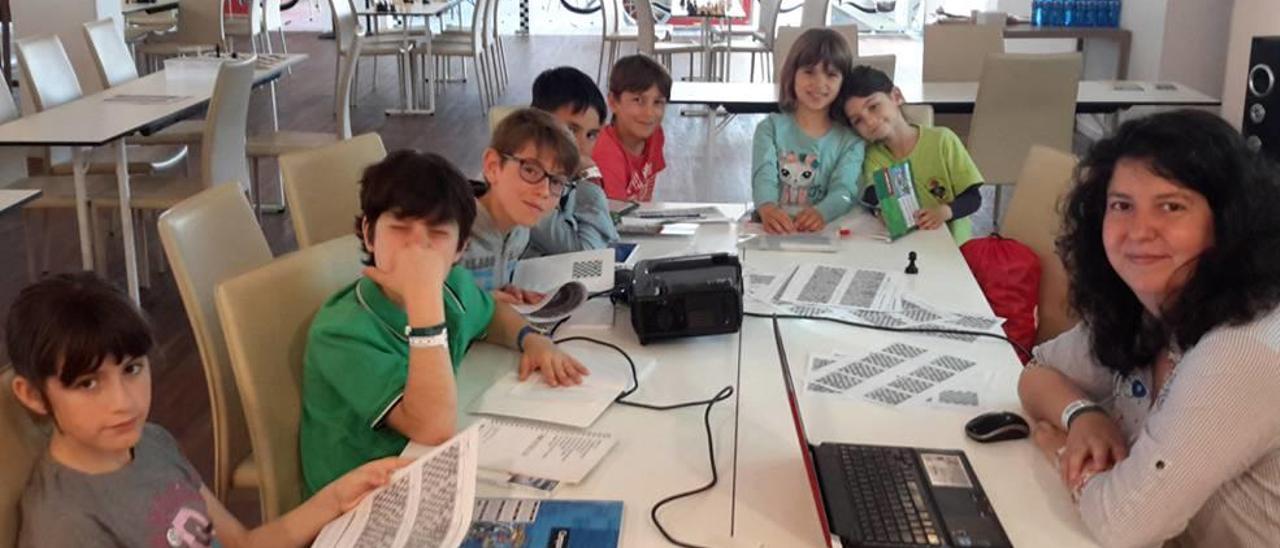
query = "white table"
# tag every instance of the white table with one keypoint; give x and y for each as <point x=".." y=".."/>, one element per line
<point x="762" y="498"/>
<point x="1094" y="96"/>
<point x="419" y="102"/>
<point x="93" y="121"/>
<point x="773" y="501"/>
<point x="13" y="199"/>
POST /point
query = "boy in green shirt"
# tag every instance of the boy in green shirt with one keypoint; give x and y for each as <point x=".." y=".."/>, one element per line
<point x="383" y="352"/>
<point x="946" y="179"/>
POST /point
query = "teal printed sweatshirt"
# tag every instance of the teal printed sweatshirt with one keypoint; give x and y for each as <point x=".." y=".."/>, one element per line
<point x="795" y="171"/>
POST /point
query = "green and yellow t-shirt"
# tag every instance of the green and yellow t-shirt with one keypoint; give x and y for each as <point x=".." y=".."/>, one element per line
<point x="356" y="367"/>
<point x="942" y="169"/>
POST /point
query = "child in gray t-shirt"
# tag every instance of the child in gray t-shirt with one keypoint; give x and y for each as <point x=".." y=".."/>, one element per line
<point x="109" y="478"/>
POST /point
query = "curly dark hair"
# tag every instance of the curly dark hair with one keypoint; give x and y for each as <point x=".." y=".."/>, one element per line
<point x="1233" y="282"/>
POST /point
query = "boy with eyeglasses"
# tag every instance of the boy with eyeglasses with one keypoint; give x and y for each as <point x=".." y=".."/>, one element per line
<point x="526" y="170"/>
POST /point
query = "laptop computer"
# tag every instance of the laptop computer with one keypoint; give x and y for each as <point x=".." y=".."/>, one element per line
<point x="882" y="496"/>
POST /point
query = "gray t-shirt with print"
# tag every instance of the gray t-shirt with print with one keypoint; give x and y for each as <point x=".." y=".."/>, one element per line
<point x="154" y="501"/>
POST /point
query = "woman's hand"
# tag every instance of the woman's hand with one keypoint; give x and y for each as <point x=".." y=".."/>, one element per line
<point x="1094" y="444"/>
<point x="557" y="367"/>
<point x="809" y="220"/>
<point x="775" y="220"/>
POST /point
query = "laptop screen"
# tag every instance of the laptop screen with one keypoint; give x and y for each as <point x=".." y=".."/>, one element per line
<point x="805" y="451"/>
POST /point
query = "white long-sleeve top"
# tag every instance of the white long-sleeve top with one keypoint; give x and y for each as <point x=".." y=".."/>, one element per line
<point x="1204" y="454"/>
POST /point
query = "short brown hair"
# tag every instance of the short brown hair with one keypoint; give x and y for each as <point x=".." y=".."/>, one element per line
<point x="636" y="74"/>
<point x="542" y="130"/>
<point x="819" y="46"/>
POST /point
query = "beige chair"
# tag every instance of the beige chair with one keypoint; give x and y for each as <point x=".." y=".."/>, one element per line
<point x="208" y="238"/>
<point x="471" y="44"/>
<point x="200" y="30"/>
<point x="275" y="144"/>
<point x="1023" y="99"/>
<point x="222" y="156"/>
<point x="955" y="53"/>
<point x="346" y="29"/>
<point x="1034" y="220"/>
<point x="248" y="25"/>
<point x="322" y="186"/>
<point x="265" y="314"/>
<point x="887" y="64"/>
<point x="498" y="113"/>
<point x="21" y="443"/>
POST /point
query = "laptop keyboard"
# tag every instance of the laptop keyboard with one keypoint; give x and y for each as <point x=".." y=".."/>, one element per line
<point x="888" y="496"/>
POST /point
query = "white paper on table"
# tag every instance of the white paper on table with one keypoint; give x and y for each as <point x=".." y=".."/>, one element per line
<point x="541" y="451"/>
<point x="594" y="268"/>
<point x="843" y="286"/>
<point x="901" y="375"/>
<point x="597" y="313"/>
<point x="427" y="503"/>
<point x="578" y="405"/>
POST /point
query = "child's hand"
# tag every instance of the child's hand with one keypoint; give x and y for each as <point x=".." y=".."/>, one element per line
<point x="558" y="368"/>
<point x="809" y="220"/>
<point x="347" y="491"/>
<point x="416" y="269"/>
<point x="775" y="220"/>
<point x="933" y="217"/>
<point x="513" y="295"/>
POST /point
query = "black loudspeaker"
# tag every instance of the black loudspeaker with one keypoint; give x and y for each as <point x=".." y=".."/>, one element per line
<point x="1261" y="125"/>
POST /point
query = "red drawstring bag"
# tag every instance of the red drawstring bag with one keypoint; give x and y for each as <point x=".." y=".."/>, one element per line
<point x="1009" y="274"/>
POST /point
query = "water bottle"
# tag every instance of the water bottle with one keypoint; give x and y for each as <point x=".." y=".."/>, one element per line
<point x="1115" y="13"/>
<point x="1054" y="9"/>
<point x="1086" y="13"/>
<point x="1069" y="13"/>
<point x="1037" y="13"/>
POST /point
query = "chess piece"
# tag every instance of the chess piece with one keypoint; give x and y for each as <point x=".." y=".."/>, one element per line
<point x="911" y="263"/>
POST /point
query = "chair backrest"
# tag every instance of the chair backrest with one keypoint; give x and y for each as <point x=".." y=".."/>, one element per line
<point x="782" y="42"/>
<point x="265" y="314"/>
<point x="223" y="151"/>
<point x="850" y="35"/>
<point x="346" y="81"/>
<point x="814" y="13"/>
<point x="211" y="237"/>
<point x="883" y="63"/>
<point x="609" y="16"/>
<point x="272" y="19"/>
<point x="47" y="72"/>
<point x="767" y="25"/>
<point x="494" y="29"/>
<point x="1023" y="99"/>
<point x="955" y="53"/>
<point x="499" y="112"/>
<point x="200" y="22"/>
<point x="646" y="30"/>
<point x="480" y="24"/>
<point x="322" y="186"/>
<point x="111" y="54"/>
<point x="1033" y="219"/>
<point x="13" y="160"/>
<point x="21" y="443"/>
<point x="345" y="25"/>
<point x="918" y="114"/>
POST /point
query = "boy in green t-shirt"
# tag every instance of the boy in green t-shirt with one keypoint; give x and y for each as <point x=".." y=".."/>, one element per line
<point x="382" y="353"/>
<point x="946" y="179"/>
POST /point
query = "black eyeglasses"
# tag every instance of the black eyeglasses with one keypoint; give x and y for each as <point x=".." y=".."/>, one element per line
<point x="533" y="173"/>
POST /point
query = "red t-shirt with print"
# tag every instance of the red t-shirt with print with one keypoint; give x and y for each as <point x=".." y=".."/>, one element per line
<point x="628" y="176"/>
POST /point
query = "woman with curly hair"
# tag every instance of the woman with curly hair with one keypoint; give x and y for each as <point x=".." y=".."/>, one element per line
<point x="1160" y="407"/>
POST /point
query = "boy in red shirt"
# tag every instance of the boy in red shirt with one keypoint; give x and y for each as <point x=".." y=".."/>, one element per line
<point x="629" y="150"/>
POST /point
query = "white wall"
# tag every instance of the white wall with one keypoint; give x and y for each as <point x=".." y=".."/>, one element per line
<point x="1145" y="20"/>
<point x="1196" y="34"/>
<point x="1249" y="18"/>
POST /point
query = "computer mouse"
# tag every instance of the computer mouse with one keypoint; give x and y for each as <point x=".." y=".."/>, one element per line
<point x="997" y="426"/>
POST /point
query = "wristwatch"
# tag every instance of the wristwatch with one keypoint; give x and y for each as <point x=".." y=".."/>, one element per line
<point x="1077" y="408"/>
<point x="427" y="337"/>
<point x="525" y="332"/>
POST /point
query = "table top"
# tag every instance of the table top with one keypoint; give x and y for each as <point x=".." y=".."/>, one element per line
<point x="150" y="7"/>
<point x="762" y="498"/>
<point x="419" y="9"/>
<point x="1034" y="31"/>
<point x="950" y="97"/>
<point x="96" y="119"/>
<point x="12" y="199"/>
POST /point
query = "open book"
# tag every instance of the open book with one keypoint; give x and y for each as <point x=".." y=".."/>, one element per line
<point x="426" y="504"/>
<point x="896" y="190"/>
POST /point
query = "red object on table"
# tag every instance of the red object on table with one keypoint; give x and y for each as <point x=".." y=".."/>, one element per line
<point x="238" y="7"/>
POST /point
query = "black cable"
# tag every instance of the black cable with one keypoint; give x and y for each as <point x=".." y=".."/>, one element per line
<point x="720" y="396"/>
<point x="1017" y="347"/>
